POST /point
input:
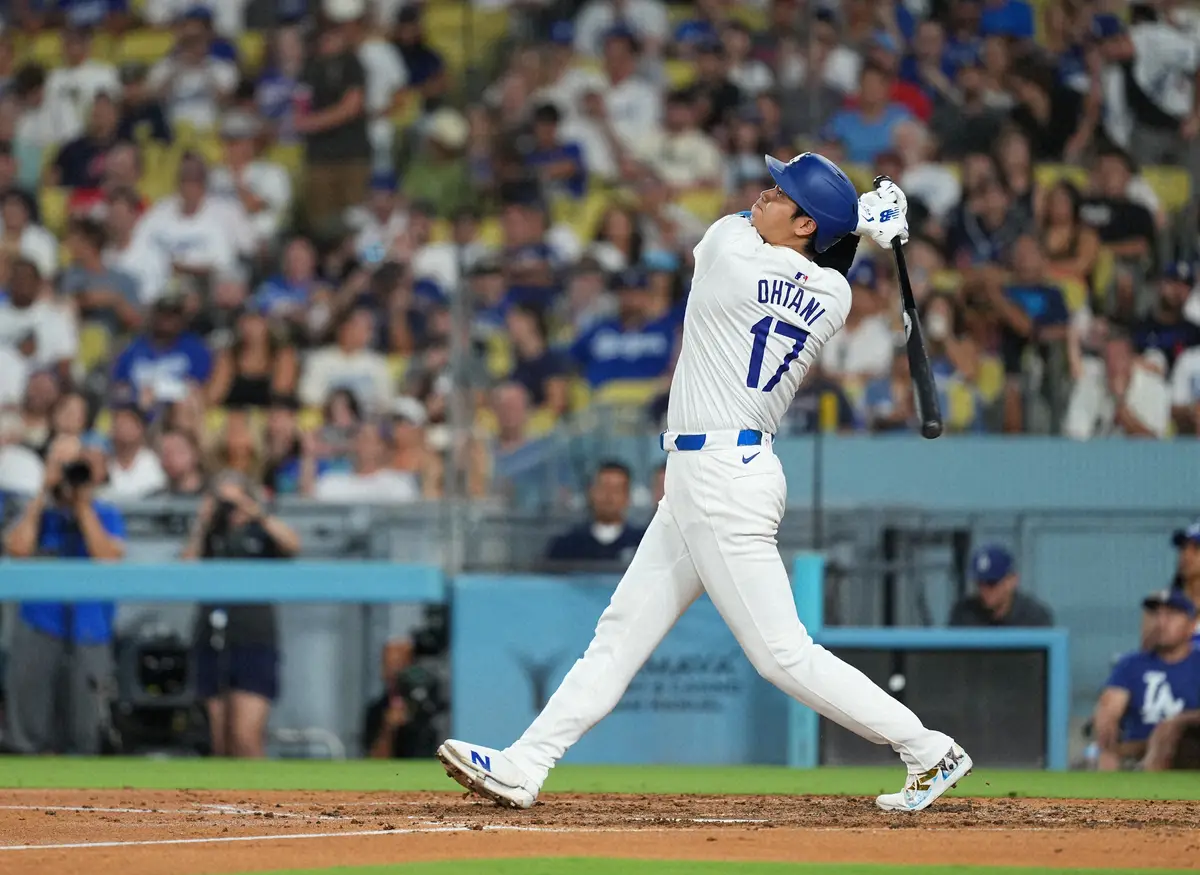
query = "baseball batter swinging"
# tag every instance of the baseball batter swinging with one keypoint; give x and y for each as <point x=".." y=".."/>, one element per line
<point x="769" y="289"/>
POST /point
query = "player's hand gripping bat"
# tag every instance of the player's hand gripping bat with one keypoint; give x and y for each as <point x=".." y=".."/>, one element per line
<point x="924" y="388"/>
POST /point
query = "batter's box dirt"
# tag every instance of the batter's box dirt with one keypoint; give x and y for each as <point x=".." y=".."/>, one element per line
<point x="209" y="833"/>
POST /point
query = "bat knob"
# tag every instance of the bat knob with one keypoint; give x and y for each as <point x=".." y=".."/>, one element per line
<point x="879" y="180"/>
<point x="931" y="429"/>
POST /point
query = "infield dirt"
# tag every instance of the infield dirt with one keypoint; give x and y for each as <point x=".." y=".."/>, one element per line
<point x="138" y="832"/>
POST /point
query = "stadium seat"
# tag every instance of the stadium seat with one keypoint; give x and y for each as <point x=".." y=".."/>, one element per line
<point x="215" y="419"/>
<point x="581" y="214"/>
<point x="290" y="156"/>
<point x="579" y="394"/>
<point x="95" y="345"/>
<point x="490" y="232"/>
<point x="1104" y="273"/>
<point x="310" y="419"/>
<point x="753" y="16"/>
<point x="946" y="280"/>
<point x="499" y="356"/>
<point x="252" y="49"/>
<point x="679" y="74"/>
<point x="990" y="380"/>
<point x="52" y="205"/>
<point x="398" y="368"/>
<point x="46" y="49"/>
<point x="627" y="393"/>
<point x="960" y="406"/>
<point x="1075" y="292"/>
<point x="704" y="204"/>
<point x="103" y="423"/>
<point x="1172" y="185"/>
<point x="459" y="40"/>
<point x="146" y="46"/>
<point x="1048" y="175"/>
<point x="861" y="175"/>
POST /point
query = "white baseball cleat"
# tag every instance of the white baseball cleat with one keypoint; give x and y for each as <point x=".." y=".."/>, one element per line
<point x="923" y="788"/>
<point x="488" y="773"/>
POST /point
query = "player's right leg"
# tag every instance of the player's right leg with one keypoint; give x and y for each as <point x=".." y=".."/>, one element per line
<point x="729" y="524"/>
<point x="659" y="585"/>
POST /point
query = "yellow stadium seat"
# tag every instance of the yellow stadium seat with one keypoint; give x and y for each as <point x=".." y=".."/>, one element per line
<point x="52" y="204"/>
<point x="460" y="41"/>
<point x="46" y="49"/>
<point x="704" y="204"/>
<point x="861" y="175"/>
<point x="679" y="74"/>
<point x="1075" y="292"/>
<point x="485" y="421"/>
<point x="95" y="345"/>
<point x="961" y="403"/>
<point x="627" y="393"/>
<point x="490" y="232"/>
<point x="541" y="422"/>
<point x="579" y="394"/>
<point x="1105" y="270"/>
<point x="990" y="380"/>
<point x="1048" y="175"/>
<point x="103" y="423"/>
<point x="499" y="356"/>
<point x="398" y="368"/>
<point x="252" y="48"/>
<point x="310" y="419"/>
<point x="1172" y="185"/>
<point x="146" y="46"/>
<point x="582" y="214"/>
<point x="946" y="280"/>
<point x="215" y="419"/>
<point x="290" y="156"/>
<point x="752" y="16"/>
<point x="440" y="231"/>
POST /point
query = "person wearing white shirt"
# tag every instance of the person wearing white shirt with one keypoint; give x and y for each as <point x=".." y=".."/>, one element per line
<point x="863" y="349"/>
<point x="134" y="470"/>
<point x="750" y="75"/>
<point x="1120" y="394"/>
<point x="926" y="180"/>
<point x="349" y="364"/>
<point x="628" y="108"/>
<point x="21" y="469"/>
<point x="14" y="372"/>
<point x="648" y="19"/>
<point x="20" y="236"/>
<point x="42" y="124"/>
<point x="262" y="189"/>
<point x="191" y="81"/>
<point x="77" y="82"/>
<point x="134" y="254"/>
<point x="386" y="81"/>
<point x="228" y="16"/>
<point x="682" y="155"/>
<point x="27" y="312"/>
<point x="442" y="263"/>
<point x="196" y="233"/>
<point x="370" y="482"/>
<point x="380" y="220"/>
<point x="566" y="80"/>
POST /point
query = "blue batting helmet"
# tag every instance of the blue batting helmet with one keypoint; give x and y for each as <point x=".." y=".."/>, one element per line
<point x="822" y="190"/>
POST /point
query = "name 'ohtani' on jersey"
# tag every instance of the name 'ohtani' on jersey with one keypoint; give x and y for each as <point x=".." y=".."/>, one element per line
<point x="791" y="296"/>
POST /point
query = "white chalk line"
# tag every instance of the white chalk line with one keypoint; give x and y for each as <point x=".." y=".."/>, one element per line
<point x="223" y="810"/>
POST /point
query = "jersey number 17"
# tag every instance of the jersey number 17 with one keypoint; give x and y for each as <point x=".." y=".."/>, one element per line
<point x="761" y="331"/>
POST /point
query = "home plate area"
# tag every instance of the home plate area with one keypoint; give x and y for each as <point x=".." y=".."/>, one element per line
<point x="180" y="832"/>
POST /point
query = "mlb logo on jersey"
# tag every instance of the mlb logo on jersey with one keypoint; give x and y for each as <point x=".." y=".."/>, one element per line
<point x="802" y="278"/>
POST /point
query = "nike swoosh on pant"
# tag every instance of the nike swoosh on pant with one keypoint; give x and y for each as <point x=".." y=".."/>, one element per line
<point x="746" y="460"/>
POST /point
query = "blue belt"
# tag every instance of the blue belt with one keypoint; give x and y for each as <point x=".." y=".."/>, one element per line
<point x="747" y="437"/>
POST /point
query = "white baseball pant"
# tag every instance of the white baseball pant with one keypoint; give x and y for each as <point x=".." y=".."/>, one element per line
<point x="714" y="532"/>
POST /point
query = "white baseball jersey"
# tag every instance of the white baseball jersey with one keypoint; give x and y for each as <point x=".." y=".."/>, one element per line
<point x="756" y="318"/>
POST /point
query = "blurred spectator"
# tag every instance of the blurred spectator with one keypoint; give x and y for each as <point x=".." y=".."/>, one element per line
<point x="23" y="237"/>
<point x="973" y="123"/>
<point x="924" y="180"/>
<point x="588" y="300"/>
<point x="379" y="220"/>
<point x="193" y="81"/>
<point x="350" y="364"/>
<point x="625" y="106"/>
<point x="238" y="448"/>
<point x="288" y="297"/>
<point x="718" y="98"/>
<point x="751" y="76"/>
<point x="226" y="18"/>
<point x="389" y="730"/>
<point x="985" y="227"/>
<point x="637" y="345"/>
<point x="820" y="405"/>
<point x="556" y="163"/>
<point x="370" y="481"/>
<point x="608" y="537"/>
<point x="134" y="470"/>
<point x="59" y="674"/>
<point x="142" y="117"/>
<point x="862" y="350"/>
<point x="71" y="415"/>
<point x="262" y="187"/>
<point x="41" y="395"/>
<point x="438" y="174"/>
<point x="888" y="401"/>
<point x="682" y="155"/>
<point x="134" y="254"/>
<point x="332" y="118"/>
<point x="43" y="124"/>
<point x="15" y="364"/>
<point x="385" y="84"/>
<point x="258" y="365"/>
<point x="181" y="465"/>
<point x="1057" y="121"/>
<point x="927" y="66"/>
<point x="21" y="469"/>
<point x="198" y="234"/>
<point x="1071" y="248"/>
<point x="645" y="20"/>
<point x="237" y="646"/>
<point x="341" y="416"/>
<point x="410" y="454"/>
<point x="1125" y="226"/>
<point x="166" y="363"/>
<point x="1187" y="577"/>
<point x="1153" y="695"/>
<point x="866" y="131"/>
<point x="82" y="78"/>
<point x="1122" y="394"/>
<point x="80" y="163"/>
<point x="426" y="69"/>
<point x="28" y="316"/>
<point x="442" y="263"/>
<point x="100" y="294"/>
<point x="277" y="90"/>
<point x="1164" y="328"/>
<point x="618" y="243"/>
<point x="541" y="370"/>
<point x="998" y="601"/>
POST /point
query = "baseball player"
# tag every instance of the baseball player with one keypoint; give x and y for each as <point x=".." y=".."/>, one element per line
<point x="769" y="289"/>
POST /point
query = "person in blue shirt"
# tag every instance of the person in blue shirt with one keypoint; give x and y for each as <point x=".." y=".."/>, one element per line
<point x="426" y="69"/>
<point x="1007" y="18"/>
<point x="1152" y="698"/>
<point x="638" y="344"/>
<point x="558" y="165"/>
<point x="865" y="132"/>
<point x="165" y="364"/>
<point x="608" y="537"/>
<point x="61" y="661"/>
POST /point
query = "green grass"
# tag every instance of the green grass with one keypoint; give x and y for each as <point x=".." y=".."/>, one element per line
<point x="671" y="867"/>
<point x="400" y="776"/>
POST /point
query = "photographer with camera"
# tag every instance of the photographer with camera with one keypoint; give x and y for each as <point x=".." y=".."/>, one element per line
<point x="400" y="723"/>
<point x="59" y="673"/>
<point x="237" y="646"/>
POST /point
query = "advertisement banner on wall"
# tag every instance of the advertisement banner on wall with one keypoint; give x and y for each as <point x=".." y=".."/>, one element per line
<point x="697" y="700"/>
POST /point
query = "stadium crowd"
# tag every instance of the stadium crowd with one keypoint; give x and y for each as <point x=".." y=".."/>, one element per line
<point x="272" y="237"/>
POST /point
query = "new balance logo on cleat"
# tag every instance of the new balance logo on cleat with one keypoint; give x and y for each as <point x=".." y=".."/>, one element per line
<point x="478" y="759"/>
